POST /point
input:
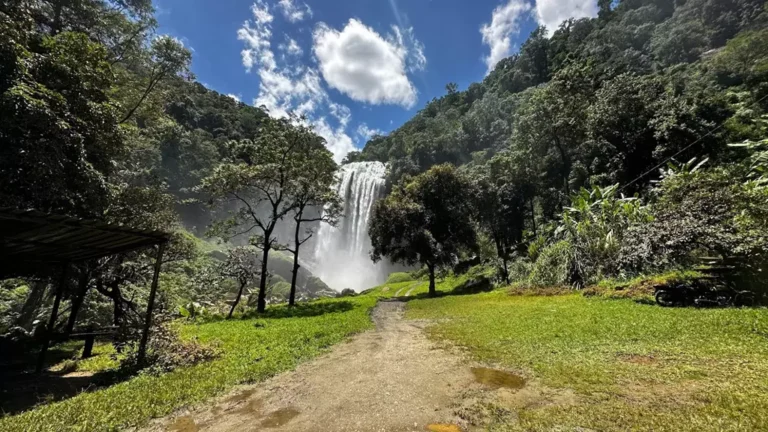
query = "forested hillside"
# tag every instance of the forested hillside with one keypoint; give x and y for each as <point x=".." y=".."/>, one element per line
<point x="665" y="101"/>
<point x="602" y="100"/>
<point x="100" y="118"/>
<point x="556" y="220"/>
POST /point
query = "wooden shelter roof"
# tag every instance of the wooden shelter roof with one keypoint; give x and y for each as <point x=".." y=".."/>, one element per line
<point x="29" y="238"/>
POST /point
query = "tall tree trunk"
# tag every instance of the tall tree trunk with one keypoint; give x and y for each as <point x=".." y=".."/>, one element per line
<point x="501" y="251"/>
<point x="533" y="218"/>
<point x="32" y="304"/>
<point x="262" y="304"/>
<point x="57" y="11"/>
<point x="237" y="299"/>
<point x="432" y="289"/>
<point x="506" y="269"/>
<point x="117" y="316"/>
<point x="78" y="298"/>
<point x="297" y="244"/>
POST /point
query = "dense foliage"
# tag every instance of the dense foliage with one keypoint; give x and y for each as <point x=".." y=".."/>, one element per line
<point x="100" y="119"/>
<point x="563" y="143"/>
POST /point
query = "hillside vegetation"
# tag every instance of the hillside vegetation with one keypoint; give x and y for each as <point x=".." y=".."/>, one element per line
<point x="102" y="119"/>
<point x="623" y="145"/>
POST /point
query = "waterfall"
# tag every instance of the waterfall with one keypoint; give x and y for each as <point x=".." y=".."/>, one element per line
<point x="342" y="253"/>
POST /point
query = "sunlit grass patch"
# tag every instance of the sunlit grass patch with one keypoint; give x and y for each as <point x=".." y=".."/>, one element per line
<point x="633" y="366"/>
<point x="252" y="350"/>
<point x="103" y="358"/>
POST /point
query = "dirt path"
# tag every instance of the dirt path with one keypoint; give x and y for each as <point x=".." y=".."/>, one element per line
<point x="390" y="379"/>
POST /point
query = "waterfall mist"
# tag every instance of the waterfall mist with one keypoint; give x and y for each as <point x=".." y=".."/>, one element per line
<point x="342" y="253"/>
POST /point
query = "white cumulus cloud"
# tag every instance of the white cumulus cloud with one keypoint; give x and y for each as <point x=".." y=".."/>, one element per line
<point x="256" y="35"/>
<point x="551" y="13"/>
<point x="294" y="12"/>
<point x="287" y="86"/>
<point x="366" y="66"/>
<point x="366" y="133"/>
<point x="505" y="22"/>
<point x="338" y="141"/>
<point x="236" y="97"/>
<point x="290" y="46"/>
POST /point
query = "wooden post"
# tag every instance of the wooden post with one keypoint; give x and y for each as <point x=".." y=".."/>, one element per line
<point x="52" y="320"/>
<point x="90" y="338"/>
<point x="150" y="305"/>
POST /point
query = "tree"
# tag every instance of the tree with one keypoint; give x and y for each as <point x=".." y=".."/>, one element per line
<point x="501" y="196"/>
<point x="426" y="220"/>
<point x="258" y="178"/>
<point x="242" y="265"/>
<point x="310" y="191"/>
<point x="534" y="56"/>
<point x="167" y="57"/>
<point x="57" y="123"/>
<point x="605" y="9"/>
<point x="352" y="157"/>
<point x="551" y="126"/>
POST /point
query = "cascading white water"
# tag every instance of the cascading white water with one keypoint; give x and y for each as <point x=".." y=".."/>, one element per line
<point x="342" y="257"/>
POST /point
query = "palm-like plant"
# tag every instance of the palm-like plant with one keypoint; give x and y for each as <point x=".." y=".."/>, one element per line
<point x="595" y="224"/>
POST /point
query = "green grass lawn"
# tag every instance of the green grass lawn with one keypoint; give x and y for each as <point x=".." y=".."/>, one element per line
<point x="389" y="290"/>
<point x="631" y="366"/>
<point x="418" y="288"/>
<point x="252" y="350"/>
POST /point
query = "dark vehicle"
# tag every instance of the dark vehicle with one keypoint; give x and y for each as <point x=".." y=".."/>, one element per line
<point x="721" y="286"/>
<point x="702" y="295"/>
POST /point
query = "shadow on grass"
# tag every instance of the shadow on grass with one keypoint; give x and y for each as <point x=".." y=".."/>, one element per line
<point x="475" y="286"/>
<point x="303" y="310"/>
<point x="23" y="391"/>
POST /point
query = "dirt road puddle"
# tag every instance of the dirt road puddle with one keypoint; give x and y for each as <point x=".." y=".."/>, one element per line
<point x="184" y="424"/>
<point x="253" y="407"/>
<point x="498" y="378"/>
<point x="437" y="427"/>
<point x="241" y="397"/>
<point x="280" y="417"/>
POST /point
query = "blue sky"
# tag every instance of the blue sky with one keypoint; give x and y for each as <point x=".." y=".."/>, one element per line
<point x="352" y="67"/>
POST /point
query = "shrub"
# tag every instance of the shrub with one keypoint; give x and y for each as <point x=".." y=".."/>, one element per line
<point x="347" y="292"/>
<point x="555" y="265"/>
<point x="718" y="212"/>
<point x="280" y="290"/>
<point x="166" y="351"/>
<point x="399" y="277"/>
<point x="420" y="274"/>
<point x="596" y="225"/>
<point x="520" y="271"/>
<point x="477" y="279"/>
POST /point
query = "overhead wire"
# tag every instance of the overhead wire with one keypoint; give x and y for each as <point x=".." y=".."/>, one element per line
<point x="664" y="162"/>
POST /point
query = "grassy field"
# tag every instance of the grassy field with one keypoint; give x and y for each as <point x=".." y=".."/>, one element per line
<point x="629" y="366"/>
<point x="625" y="365"/>
<point x="253" y="350"/>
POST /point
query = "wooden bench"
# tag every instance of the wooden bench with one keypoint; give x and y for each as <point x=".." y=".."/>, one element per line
<point x="89" y="335"/>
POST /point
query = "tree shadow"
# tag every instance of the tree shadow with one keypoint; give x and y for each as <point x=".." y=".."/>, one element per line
<point x="303" y="310"/>
<point x="23" y="391"/>
<point x="470" y="287"/>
